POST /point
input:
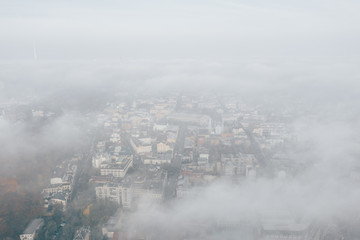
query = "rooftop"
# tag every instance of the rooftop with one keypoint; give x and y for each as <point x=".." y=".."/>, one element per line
<point x="34" y="225"/>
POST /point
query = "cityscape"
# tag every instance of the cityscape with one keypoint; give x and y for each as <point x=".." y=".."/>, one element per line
<point x="148" y="156"/>
<point x="179" y="120"/>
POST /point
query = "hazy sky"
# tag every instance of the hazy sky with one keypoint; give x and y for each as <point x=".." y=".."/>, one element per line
<point x="184" y="29"/>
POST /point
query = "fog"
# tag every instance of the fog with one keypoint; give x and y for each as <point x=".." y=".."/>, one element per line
<point x="323" y="95"/>
<point x="187" y="29"/>
<point x="24" y="144"/>
<point x="325" y="192"/>
<point x="73" y="58"/>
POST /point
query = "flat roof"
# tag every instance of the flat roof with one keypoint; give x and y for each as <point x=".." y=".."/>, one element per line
<point x="33" y="225"/>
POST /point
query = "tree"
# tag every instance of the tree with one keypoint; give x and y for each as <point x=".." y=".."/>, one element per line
<point x="50" y="229"/>
<point x="68" y="232"/>
<point x="57" y="215"/>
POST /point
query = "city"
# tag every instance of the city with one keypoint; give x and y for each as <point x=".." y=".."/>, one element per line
<point x="179" y="120"/>
<point x="164" y="151"/>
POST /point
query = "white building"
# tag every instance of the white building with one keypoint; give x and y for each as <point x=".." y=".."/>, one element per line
<point x="117" y="169"/>
<point x="162" y="147"/>
<point x="159" y="127"/>
<point x="116" y="192"/>
<point x="140" y="147"/>
<point x="203" y="156"/>
<point x="219" y="128"/>
<point x="99" y="159"/>
<point x="115" y="138"/>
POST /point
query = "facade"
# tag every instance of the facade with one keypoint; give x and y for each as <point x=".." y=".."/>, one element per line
<point x="55" y="188"/>
<point x="140" y="148"/>
<point x="162" y="147"/>
<point x="99" y="159"/>
<point x="203" y="156"/>
<point x="115" y="192"/>
<point x="159" y="159"/>
<point x="60" y="199"/>
<point x="238" y="165"/>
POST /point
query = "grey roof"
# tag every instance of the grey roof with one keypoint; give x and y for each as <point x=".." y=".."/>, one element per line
<point x="34" y="225"/>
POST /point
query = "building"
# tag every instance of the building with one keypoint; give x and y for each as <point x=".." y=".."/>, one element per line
<point x="82" y="234"/>
<point x="31" y="229"/>
<point x="120" y="193"/>
<point x="119" y="168"/>
<point x="97" y="160"/>
<point x="162" y="147"/>
<point x="218" y="128"/>
<point x="191" y="119"/>
<point x="61" y="184"/>
<point x="203" y="156"/>
<point x="238" y="165"/>
<point x="140" y="147"/>
<point x="55" y="188"/>
<point x="159" y="159"/>
<point x="150" y="186"/>
<point x="115" y="138"/>
<point x="60" y="198"/>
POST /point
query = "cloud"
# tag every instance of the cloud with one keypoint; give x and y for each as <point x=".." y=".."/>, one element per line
<point x="24" y="146"/>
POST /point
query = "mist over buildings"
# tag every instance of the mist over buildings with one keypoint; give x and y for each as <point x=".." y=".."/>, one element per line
<point x="63" y="63"/>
